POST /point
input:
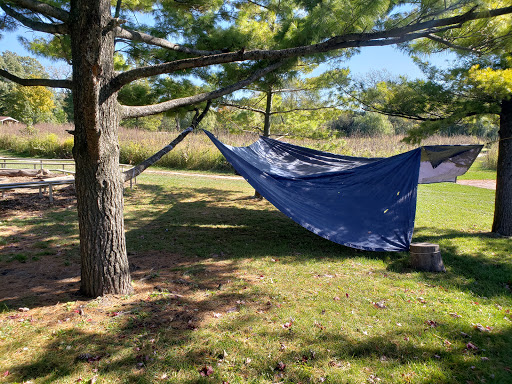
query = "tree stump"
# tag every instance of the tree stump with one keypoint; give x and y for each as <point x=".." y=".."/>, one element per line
<point x="426" y="257"/>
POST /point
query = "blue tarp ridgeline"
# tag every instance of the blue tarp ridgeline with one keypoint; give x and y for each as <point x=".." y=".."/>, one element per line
<point x="362" y="203"/>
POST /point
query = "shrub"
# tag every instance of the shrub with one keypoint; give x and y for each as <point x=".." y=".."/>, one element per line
<point x="490" y="159"/>
<point x="197" y="152"/>
<point x="372" y="124"/>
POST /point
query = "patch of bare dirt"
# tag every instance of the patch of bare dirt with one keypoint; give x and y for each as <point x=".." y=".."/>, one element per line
<point x="27" y="202"/>
<point x="168" y="287"/>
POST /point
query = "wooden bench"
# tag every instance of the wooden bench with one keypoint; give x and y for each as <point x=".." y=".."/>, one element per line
<point x="41" y="184"/>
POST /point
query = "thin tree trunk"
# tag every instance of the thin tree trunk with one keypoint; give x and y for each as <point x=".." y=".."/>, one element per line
<point x="268" y="114"/>
<point x="266" y="127"/>
<point x="502" y="224"/>
<point x="99" y="183"/>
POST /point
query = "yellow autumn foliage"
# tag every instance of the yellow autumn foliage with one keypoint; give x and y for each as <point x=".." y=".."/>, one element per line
<point x="494" y="82"/>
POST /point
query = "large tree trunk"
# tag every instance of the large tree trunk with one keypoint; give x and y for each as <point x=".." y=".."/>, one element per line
<point x="503" y="207"/>
<point x="99" y="183"/>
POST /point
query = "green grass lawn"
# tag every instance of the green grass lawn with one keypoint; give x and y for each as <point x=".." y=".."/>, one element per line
<point x="478" y="172"/>
<point x="235" y="292"/>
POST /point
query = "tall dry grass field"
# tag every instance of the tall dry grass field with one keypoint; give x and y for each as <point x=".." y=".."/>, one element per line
<point x="196" y="151"/>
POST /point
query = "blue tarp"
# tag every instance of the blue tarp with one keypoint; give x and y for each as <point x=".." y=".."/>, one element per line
<point x="362" y="203"/>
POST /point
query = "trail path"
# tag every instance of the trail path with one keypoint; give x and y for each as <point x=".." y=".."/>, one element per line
<point x="488" y="184"/>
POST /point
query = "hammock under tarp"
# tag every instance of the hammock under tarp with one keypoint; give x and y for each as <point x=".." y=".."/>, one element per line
<point x="363" y="203"/>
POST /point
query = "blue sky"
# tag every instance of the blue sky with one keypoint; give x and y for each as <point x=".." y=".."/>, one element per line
<point x="371" y="59"/>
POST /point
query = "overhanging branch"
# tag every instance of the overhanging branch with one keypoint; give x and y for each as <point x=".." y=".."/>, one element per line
<point x="146" y="110"/>
<point x="355" y="40"/>
<point x="37" y="82"/>
<point x="127" y="34"/>
<point x="244" y="107"/>
<point x="247" y="108"/>
<point x="303" y="109"/>
<point x="42" y="8"/>
<point x="59" y="28"/>
<point x="449" y="44"/>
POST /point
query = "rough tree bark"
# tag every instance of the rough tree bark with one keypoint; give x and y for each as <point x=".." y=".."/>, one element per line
<point x="99" y="183"/>
<point x="502" y="224"/>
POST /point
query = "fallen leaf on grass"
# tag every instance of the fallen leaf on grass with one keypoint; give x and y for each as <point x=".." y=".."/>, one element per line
<point x="472" y="347"/>
<point x="24" y="309"/>
<point x="89" y="357"/>
<point x="6" y="373"/>
<point x="339" y="364"/>
<point x="481" y="328"/>
<point x="280" y="367"/>
<point x="380" y="304"/>
<point x="455" y="315"/>
<point x="205" y="371"/>
<point x="319" y="325"/>
<point x="431" y="323"/>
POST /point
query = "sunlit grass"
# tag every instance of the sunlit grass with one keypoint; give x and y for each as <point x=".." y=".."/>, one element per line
<point x="227" y="282"/>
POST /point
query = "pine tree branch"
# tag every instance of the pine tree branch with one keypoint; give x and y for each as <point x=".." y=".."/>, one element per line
<point x="247" y="108"/>
<point x="41" y="8"/>
<point x="37" y="82"/>
<point x="146" y="110"/>
<point x="449" y="44"/>
<point x="138" y="169"/>
<point x="302" y="109"/>
<point x="353" y="40"/>
<point x="54" y="29"/>
<point x="127" y="34"/>
<point x="244" y="107"/>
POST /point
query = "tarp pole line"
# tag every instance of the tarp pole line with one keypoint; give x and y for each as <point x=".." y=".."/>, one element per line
<point x="363" y="203"/>
<point x="498" y="140"/>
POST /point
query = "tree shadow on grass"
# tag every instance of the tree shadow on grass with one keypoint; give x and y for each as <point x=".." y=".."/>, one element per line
<point x="161" y="337"/>
<point x="224" y="222"/>
<point x="184" y="254"/>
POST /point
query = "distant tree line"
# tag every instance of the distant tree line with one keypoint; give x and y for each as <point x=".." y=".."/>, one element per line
<point x="297" y="108"/>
